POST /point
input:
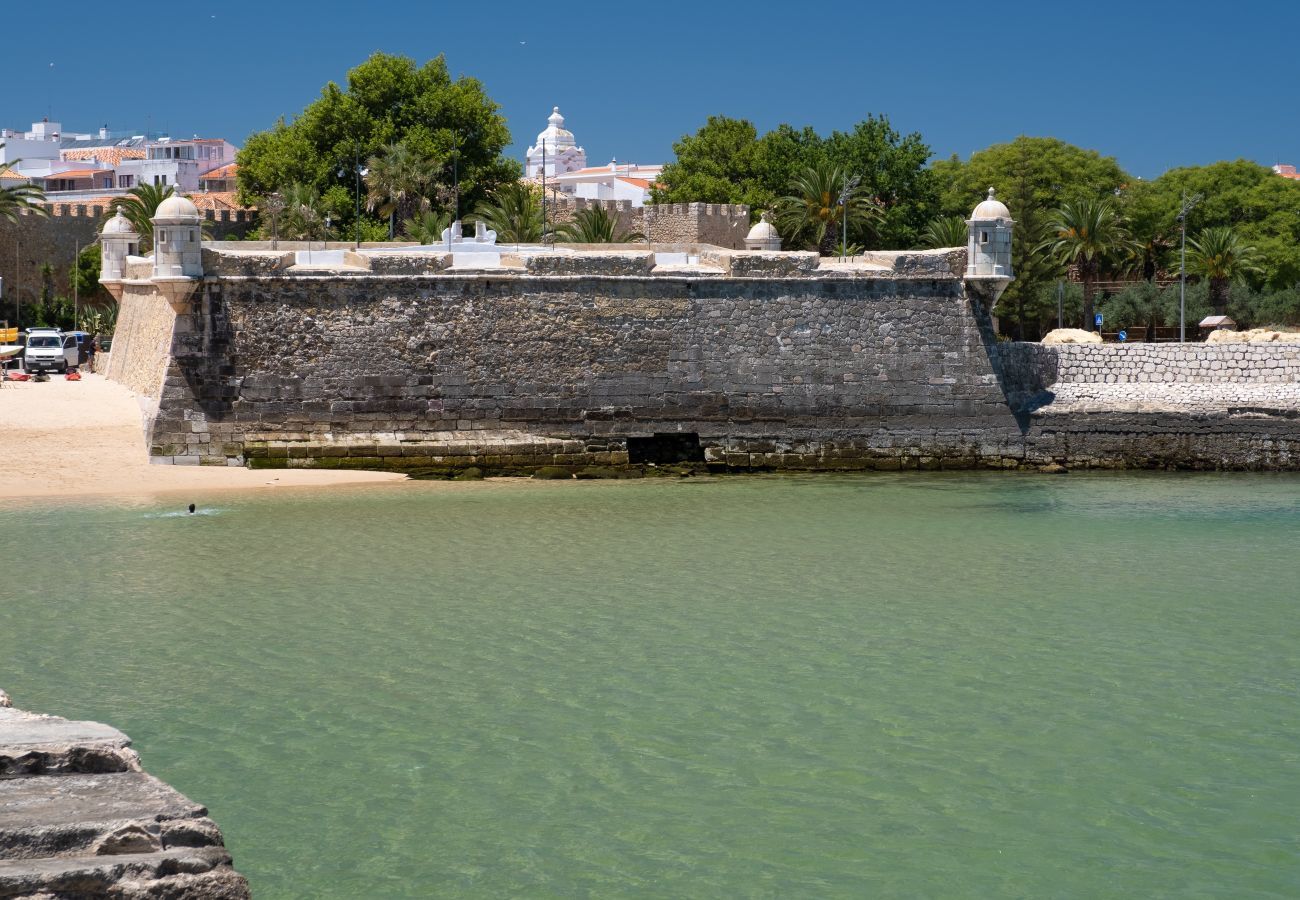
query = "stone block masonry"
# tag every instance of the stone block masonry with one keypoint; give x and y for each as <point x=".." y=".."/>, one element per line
<point x="746" y="360"/>
<point x="79" y="818"/>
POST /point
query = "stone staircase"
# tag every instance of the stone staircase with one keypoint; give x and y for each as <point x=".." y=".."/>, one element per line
<point x="79" y="819"/>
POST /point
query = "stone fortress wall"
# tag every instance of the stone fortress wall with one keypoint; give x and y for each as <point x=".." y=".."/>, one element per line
<point x="749" y="360"/>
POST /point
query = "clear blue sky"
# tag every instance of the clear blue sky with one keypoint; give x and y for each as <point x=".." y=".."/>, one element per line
<point x="1155" y="84"/>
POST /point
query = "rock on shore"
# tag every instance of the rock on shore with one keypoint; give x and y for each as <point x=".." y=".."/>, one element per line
<point x="79" y="818"/>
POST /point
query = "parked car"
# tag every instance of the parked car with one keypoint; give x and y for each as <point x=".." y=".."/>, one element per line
<point x="50" y="350"/>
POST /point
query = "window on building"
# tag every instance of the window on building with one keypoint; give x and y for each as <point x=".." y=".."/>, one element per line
<point x="984" y="237"/>
<point x="125" y="181"/>
<point x="162" y="236"/>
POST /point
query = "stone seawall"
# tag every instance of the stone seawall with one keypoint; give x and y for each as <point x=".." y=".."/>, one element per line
<point x="80" y="819"/>
<point x="741" y="361"/>
<point x="1195" y="406"/>
<point x="517" y="371"/>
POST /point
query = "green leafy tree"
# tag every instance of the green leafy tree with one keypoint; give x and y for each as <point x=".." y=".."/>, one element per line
<point x="16" y="198"/>
<point x="812" y="215"/>
<point x="514" y="212"/>
<point x="398" y="183"/>
<point x="894" y="172"/>
<point x="1087" y="234"/>
<point x="1220" y="256"/>
<point x="84" y="276"/>
<point x="720" y="163"/>
<point x="1262" y="209"/>
<point x="945" y="231"/>
<point x="1134" y="307"/>
<point x="1033" y="177"/>
<point x="726" y="161"/>
<point x="594" y="225"/>
<point x="387" y="99"/>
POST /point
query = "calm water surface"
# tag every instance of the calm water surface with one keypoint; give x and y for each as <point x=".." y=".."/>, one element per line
<point x="944" y="686"/>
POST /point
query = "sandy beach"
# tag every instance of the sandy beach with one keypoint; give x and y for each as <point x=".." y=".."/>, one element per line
<point x="77" y="438"/>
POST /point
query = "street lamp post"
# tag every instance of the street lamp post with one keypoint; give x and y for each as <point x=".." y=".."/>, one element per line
<point x="849" y="187"/>
<point x="356" y="215"/>
<point x="1188" y="203"/>
<point x="274" y="204"/>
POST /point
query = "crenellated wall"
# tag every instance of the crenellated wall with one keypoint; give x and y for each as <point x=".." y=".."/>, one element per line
<point x="721" y="224"/>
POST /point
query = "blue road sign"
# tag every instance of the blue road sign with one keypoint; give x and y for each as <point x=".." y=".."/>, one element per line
<point x="1123" y="335"/>
<point x="1097" y="318"/>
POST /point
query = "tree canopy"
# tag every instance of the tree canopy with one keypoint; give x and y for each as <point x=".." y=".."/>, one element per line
<point x="388" y="99"/>
<point x="726" y="161"/>
<point x="1262" y="209"/>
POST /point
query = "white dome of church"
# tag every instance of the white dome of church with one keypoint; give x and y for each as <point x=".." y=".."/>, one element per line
<point x="991" y="209"/>
<point x="556" y="151"/>
<point x="554" y="134"/>
<point x="177" y="207"/>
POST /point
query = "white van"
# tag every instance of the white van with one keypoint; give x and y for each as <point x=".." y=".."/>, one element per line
<point x="50" y="350"/>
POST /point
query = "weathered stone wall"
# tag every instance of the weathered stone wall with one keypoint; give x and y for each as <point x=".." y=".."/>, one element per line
<point x="760" y="360"/>
<point x="142" y="342"/>
<point x="79" y="818"/>
<point x="774" y="371"/>
<point x="1149" y="363"/>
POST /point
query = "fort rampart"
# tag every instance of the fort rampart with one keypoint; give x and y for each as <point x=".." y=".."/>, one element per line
<point x="745" y="360"/>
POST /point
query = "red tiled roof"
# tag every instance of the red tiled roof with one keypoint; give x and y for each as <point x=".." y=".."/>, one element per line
<point x="226" y="171"/>
<point x="78" y="173"/>
<point x="639" y="182"/>
<point x="108" y="155"/>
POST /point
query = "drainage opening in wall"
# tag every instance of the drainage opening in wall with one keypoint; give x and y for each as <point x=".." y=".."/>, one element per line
<point x="663" y="449"/>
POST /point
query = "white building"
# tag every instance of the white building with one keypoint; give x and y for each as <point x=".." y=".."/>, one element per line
<point x="555" y="152"/>
<point x="80" y="166"/>
<point x="565" y="166"/>
<point x="176" y="162"/>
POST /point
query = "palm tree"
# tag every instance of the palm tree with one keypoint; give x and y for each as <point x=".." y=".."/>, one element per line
<point x="303" y="218"/>
<point x="16" y="198"/>
<point x="1218" y="255"/>
<point x="813" y="214"/>
<point x="1087" y="234"/>
<point x="595" y="225"/>
<point x="514" y="212"/>
<point x="945" y="231"/>
<point x="427" y="227"/>
<point x="397" y="183"/>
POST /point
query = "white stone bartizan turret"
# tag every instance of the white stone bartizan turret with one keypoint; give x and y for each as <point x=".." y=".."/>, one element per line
<point x="763" y="236"/>
<point x="988" y="249"/>
<point x="177" y="250"/>
<point x="117" y="240"/>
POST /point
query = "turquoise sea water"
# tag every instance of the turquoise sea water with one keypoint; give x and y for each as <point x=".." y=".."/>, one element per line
<point x="943" y="686"/>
